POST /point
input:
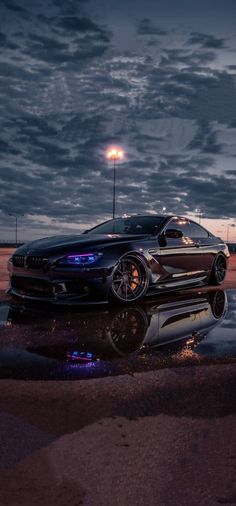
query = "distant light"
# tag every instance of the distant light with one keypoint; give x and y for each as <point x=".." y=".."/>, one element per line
<point x="115" y="153"/>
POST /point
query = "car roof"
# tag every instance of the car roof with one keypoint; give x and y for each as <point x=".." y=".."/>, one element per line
<point x="145" y="216"/>
<point x="165" y="217"/>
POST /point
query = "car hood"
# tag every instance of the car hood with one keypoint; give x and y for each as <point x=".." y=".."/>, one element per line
<point x="71" y="243"/>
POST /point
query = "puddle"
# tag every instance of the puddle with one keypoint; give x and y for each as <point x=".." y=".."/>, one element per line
<point x="175" y="330"/>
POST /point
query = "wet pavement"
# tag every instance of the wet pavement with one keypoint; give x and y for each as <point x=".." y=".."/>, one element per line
<point x="152" y="427"/>
<point x="191" y="328"/>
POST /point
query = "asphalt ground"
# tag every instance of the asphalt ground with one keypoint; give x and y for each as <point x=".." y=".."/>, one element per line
<point x="165" y="437"/>
<point x="160" y="437"/>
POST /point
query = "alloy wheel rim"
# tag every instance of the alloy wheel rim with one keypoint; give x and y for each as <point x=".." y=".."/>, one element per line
<point x="128" y="330"/>
<point x="218" y="304"/>
<point x="220" y="269"/>
<point x="129" y="279"/>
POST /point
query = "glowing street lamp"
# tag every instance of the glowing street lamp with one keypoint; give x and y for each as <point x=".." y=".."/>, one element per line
<point x="115" y="154"/>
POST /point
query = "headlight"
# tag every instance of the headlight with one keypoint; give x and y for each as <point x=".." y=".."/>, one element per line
<point x="79" y="259"/>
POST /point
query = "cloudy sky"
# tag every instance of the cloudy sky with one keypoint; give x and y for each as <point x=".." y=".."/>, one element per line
<point x="157" y="78"/>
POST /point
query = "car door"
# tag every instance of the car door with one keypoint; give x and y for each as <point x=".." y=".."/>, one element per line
<point x="205" y="243"/>
<point x="181" y="257"/>
<point x="175" y="320"/>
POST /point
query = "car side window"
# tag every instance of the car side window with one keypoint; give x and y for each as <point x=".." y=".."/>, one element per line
<point x="175" y="225"/>
<point x="189" y="228"/>
<point x="196" y="230"/>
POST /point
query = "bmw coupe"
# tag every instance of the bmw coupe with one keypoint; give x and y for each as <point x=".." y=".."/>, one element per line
<point x="121" y="260"/>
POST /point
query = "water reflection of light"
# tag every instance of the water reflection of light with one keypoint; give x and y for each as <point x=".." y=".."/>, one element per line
<point x="187" y="240"/>
<point x="190" y="342"/>
<point x="81" y="359"/>
<point x="79" y="356"/>
<point x="188" y="352"/>
<point x="84" y="365"/>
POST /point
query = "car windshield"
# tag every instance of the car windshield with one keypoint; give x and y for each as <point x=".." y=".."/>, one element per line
<point x="134" y="225"/>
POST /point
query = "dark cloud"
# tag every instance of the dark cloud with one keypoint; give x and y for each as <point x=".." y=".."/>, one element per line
<point x="12" y="70"/>
<point x="14" y="7"/>
<point x="52" y="37"/>
<point x="6" y="43"/>
<point x="205" y="139"/>
<point x="2" y="39"/>
<point x="70" y="6"/>
<point x="232" y="124"/>
<point x="67" y="41"/>
<point x="219" y="189"/>
<point x="196" y="94"/>
<point x="206" y="41"/>
<point x="48" y="49"/>
<point x="230" y="172"/>
<point x="232" y="67"/>
<point x="66" y="93"/>
<point x="3" y="146"/>
<point x="46" y="42"/>
<point x="77" y="24"/>
<point x="8" y="149"/>
<point x="175" y="57"/>
<point x="146" y="27"/>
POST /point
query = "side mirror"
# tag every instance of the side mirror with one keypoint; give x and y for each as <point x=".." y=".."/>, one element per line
<point x="173" y="233"/>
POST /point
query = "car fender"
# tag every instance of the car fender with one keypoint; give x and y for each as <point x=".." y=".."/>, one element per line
<point x="127" y="251"/>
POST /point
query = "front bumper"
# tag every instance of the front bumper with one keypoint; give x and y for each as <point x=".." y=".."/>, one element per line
<point x="73" y="287"/>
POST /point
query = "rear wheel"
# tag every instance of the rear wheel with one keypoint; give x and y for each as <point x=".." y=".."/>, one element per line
<point x="219" y="269"/>
<point x="130" y="279"/>
<point x="218" y="303"/>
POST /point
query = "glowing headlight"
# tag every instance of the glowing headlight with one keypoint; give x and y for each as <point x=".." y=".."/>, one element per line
<point x="80" y="259"/>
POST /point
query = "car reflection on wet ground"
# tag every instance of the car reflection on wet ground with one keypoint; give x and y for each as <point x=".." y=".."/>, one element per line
<point x="186" y="329"/>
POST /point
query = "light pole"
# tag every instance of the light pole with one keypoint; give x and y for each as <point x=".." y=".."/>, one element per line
<point x="228" y="226"/>
<point x="199" y="214"/>
<point x="114" y="154"/>
<point x="16" y="216"/>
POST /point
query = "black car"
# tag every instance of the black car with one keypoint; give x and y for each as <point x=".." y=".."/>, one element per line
<point x="121" y="260"/>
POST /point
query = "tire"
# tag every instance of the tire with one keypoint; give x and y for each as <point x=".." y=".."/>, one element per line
<point x="128" y="329"/>
<point x="219" y="270"/>
<point x="130" y="279"/>
<point x="218" y="303"/>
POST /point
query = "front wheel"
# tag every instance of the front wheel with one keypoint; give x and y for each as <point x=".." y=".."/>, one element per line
<point x="130" y="279"/>
<point x="219" y="269"/>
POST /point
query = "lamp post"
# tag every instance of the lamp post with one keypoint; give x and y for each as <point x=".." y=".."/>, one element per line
<point x="16" y="216"/>
<point x="199" y="214"/>
<point x="228" y="226"/>
<point x="114" y="154"/>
